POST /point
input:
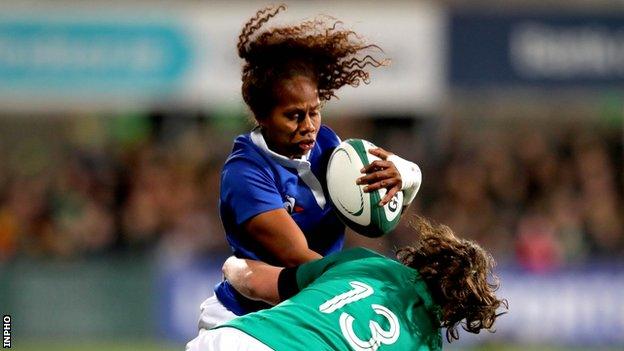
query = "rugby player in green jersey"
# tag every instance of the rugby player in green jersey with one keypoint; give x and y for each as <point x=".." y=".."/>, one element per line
<point x="360" y="300"/>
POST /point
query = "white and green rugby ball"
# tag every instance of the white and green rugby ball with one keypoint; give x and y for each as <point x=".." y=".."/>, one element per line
<point x="360" y="211"/>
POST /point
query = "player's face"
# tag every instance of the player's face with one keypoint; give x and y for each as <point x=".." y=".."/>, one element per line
<point x="292" y="126"/>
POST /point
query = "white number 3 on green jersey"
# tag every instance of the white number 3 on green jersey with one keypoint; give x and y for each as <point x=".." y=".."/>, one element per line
<point x="378" y="334"/>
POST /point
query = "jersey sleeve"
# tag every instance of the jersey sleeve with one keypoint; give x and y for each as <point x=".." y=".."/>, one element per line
<point x="287" y="283"/>
<point x="328" y="136"/>
<point x="294" y="279"/>
<point x="248" y="190"/>
<point x="308" y="272"/>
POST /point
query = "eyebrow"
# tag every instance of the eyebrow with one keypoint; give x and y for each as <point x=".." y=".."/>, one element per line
<point x="297" y="108"/>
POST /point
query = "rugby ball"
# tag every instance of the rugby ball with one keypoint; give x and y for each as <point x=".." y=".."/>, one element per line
<point x="360" y="211"/>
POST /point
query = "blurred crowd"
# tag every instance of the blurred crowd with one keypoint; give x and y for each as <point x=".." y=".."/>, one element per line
<point x="539" y="194"/>
<point x="88" y="186"/>
<point x="535" y="194"/>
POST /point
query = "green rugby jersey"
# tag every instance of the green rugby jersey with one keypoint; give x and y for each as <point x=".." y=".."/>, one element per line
<point x="351" y="300"/>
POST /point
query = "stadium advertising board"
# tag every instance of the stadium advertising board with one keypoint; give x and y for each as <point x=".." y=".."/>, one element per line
<point x="180" y="292"/>
<point x="38" y="55"/>
<point x="100" y="57"/>
<point x="547" y="50"/>
<point x="66" y="62"/>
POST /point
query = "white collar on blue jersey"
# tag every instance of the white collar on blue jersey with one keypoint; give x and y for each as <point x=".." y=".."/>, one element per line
<point x="302" y="166"/>
<point x="258" y="139"/>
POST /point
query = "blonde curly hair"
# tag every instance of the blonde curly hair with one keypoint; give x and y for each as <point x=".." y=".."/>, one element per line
<point x="458" y="273"/>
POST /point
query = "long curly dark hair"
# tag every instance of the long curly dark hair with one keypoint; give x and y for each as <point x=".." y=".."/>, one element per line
<point x="333" y="57"/>
<point x="458" y="273"/>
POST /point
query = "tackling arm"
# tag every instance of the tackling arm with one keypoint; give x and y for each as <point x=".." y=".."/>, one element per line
<point x="254" y="279"/>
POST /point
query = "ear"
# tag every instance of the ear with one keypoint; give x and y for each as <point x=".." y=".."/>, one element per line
<point x="261" y="118"/>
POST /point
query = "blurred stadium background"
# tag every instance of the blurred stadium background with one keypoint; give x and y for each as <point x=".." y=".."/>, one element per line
<point x="116" y="116"/>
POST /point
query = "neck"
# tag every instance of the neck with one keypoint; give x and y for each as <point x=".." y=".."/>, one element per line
<point x="275" y="149"/>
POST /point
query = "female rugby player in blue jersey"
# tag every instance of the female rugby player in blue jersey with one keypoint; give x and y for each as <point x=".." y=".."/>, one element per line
<point x="272" y="203"/>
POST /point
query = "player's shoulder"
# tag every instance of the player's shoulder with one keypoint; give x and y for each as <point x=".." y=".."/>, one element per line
<point x="357" y="253"/>
<point x="244" y="152"/>
<point x="326" y="137"/>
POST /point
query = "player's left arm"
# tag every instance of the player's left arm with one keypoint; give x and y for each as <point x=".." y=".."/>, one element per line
<point x="393" y="173"/>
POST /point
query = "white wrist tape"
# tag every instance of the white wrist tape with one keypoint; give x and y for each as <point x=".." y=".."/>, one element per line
<point x="410" y="176"/>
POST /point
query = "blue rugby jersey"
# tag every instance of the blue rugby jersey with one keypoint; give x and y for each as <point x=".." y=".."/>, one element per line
<point x="254" y="180"/>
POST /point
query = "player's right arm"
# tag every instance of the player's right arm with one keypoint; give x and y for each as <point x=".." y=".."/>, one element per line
<point x="278" y="233"/>
<point x="255" y="280"/>
<point x="261" y="281"/>
<point x="251" y="194"/>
